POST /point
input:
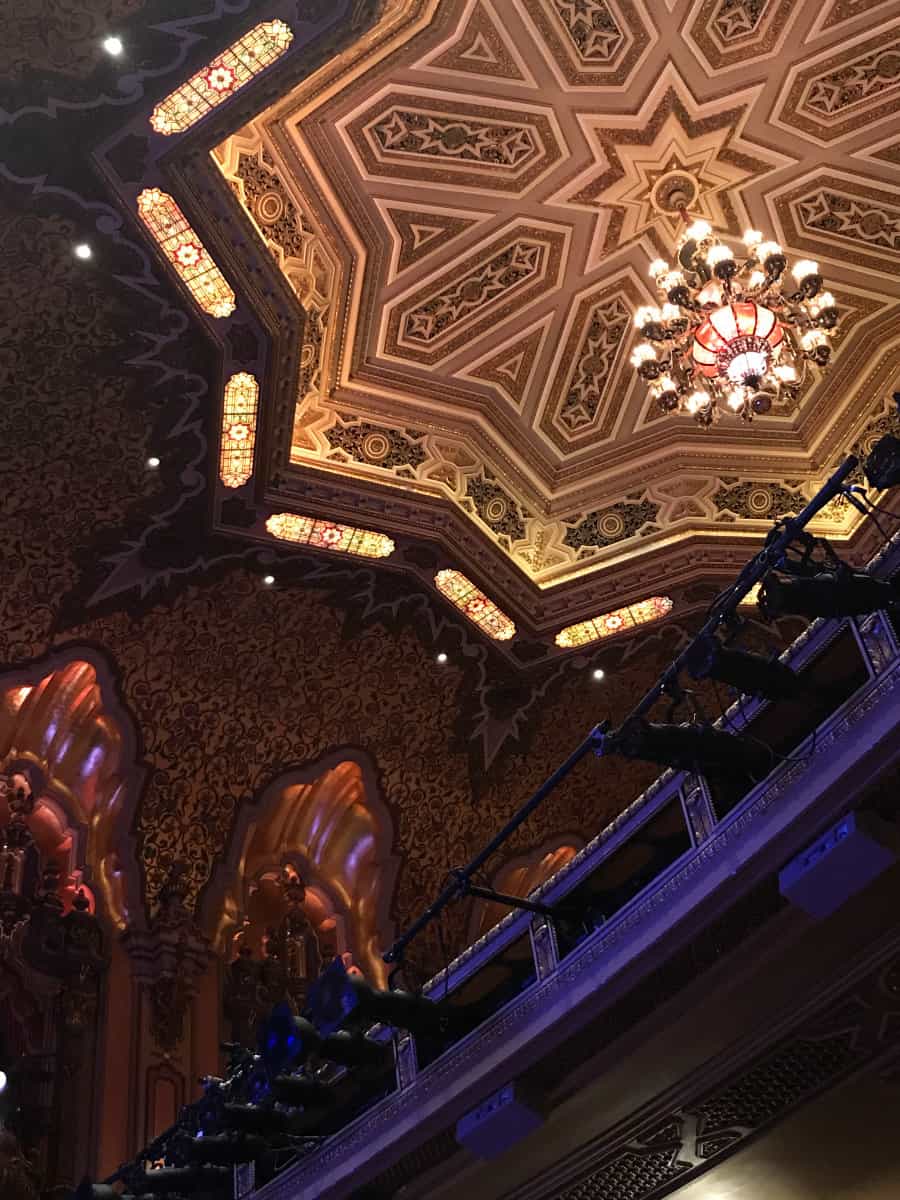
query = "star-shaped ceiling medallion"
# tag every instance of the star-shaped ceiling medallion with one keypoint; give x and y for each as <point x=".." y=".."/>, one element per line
<point x="673" y="154"/>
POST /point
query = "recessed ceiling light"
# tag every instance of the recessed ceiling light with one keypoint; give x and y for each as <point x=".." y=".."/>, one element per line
<point x="598" y="673"/>
<point x="152" y="462"/>
<point x="442" y="658"/>
<point x="3" y="1081"/>
<point x="268" y="580"/>
<point x="83" y="250"/>
<point x="114" y="46"/>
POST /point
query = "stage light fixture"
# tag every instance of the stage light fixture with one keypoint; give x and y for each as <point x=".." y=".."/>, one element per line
<point x="287" y="1039"/>
<point x="688" y="747"/>
<point x="302" y="1091"/>
<point x="751" y="674"/>
<point x="226" y="1149"/>
<point x="829" y="594"/>
<point x="213" y="1181"/>
<point x="336" y="995"/>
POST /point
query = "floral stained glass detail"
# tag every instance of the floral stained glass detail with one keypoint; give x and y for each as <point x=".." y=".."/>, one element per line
<point x="238" y="429"/>
<point x="615" y="622"/>
<point x="474" y="604"/>
<point x="187" y="254"/>
<point x="221" y="78"/>
<point x="326" y="535"/>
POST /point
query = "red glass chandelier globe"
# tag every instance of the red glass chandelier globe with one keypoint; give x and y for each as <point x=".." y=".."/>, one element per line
<point x="736" y="342"/>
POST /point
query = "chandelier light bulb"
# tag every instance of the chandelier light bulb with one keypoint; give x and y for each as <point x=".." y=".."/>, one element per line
<point x="658" y="267"/>
<point x="767" y="250"/>
<point x="785" y="373"/>
<point x="83" y="251"/>
<point x="642" y="354"/>
<point x="736" y="400"/>
<point x="812" y="339"/>
<point x="697" y="402"/>
<point x="804" y="268"/>
<point x="756" y="279"/>
<point x="647" y="315"/>
<point x="113" y="46"/>
<point x="698" y="231"/>
<point x="670" y="312"/>
<point x="752" y="237"/>
<point x="719" y="253"/>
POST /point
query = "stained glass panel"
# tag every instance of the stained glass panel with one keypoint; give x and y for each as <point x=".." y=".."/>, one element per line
<point x="615" y="622"/>
<point x="474" y="604"/>
<point x="326" y="535"/>
<point x="221" y="78"/>
<point x="187" y="254"/>
<point x="238" y="429"/>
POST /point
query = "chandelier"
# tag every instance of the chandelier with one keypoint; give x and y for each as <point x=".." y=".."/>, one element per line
<point x="731" y="332"/>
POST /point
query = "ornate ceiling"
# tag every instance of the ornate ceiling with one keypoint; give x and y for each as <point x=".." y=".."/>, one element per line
<point x="465" y="203"/>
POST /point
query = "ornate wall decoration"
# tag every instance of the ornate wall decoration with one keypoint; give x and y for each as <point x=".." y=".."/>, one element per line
<point x="492" y="148"/>
<point x="481" y="47"/>
<point x="221" y="78"/>
<point x="182" y="247"/>
<point x="421" y="232"/>
<point x="729" y="33"/>
<point x="327" y="535"/>
<point x="838" y="12"/>
<point x="755" y="501"/>
<point x="474" y="604"/>
<point x="844" y="92"/>
<point x="501" y="277"/>
<point x="613" y="623"/>
<point x="871" y="222"/>
<point x="590" y="379"/>
<point x="674" y="136"/>
<point x="378" y="445"/>
<point x="592" y="43"/>
<point x="606" y="526"/>
<point x="238" y="429"/>
<point x="511" y="369"/>
<point x="299" y="247"/>
<point x="496" y="507"/>
<point x="62" y="36"/>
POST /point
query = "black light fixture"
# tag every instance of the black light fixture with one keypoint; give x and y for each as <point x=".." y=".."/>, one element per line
<point x="336" y="996"/>
<point x="689" y="747"/>
<point x="749" y="673"/>
<point x="214" y="1181"/>
<point x="882" y="464"/>
<point x="837" y="593"/>
<point x="286" y="1039"/>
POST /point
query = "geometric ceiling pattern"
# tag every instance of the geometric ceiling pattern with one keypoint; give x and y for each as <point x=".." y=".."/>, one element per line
<point x="465" y="204"/>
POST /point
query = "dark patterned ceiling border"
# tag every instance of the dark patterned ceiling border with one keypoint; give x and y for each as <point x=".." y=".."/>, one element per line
<point x="851" y="1025"/>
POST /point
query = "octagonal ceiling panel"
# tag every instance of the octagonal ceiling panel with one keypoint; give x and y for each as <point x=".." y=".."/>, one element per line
<point x="466" y="206"/>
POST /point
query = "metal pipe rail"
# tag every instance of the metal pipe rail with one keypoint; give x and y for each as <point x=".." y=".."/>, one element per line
<point x="768" y="558"/>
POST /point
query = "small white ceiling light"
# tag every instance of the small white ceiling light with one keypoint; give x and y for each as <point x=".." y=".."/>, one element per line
<point x="152" y="462"/>
<point x="268" y="580"/>
<point x="3" y="1081"/>
<point x="83" y="250"/>
<point x="598" y="673"/>
<point x="442" y="658"/>
<point x="113" y="45"/>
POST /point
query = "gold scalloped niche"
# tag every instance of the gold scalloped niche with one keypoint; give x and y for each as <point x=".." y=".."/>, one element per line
<point x="337" y="834"/>
<point x="519" y="877"/>
<point x="59" y="730"/>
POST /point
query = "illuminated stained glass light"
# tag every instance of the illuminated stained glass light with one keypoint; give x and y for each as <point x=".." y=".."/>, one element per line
<point x="326" y="535"/>
<point x="187" y="254"/>
<point x="238" y="429"/>
<point x="222" y="77"/>
<point x="474" y="604"/>
<point x="615" y="622"/>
